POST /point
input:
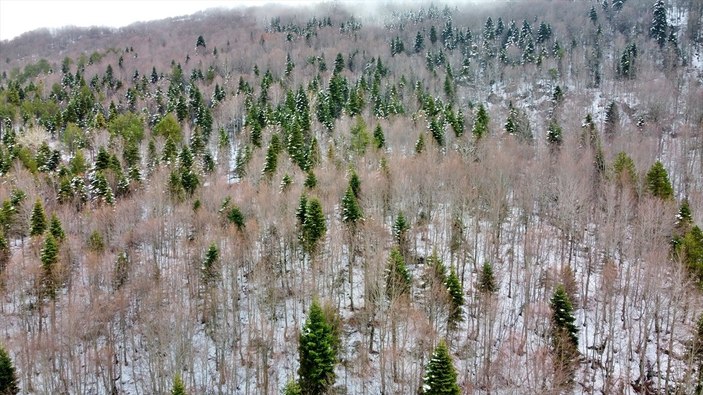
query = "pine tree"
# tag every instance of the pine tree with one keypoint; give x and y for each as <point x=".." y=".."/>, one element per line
<point x="487" y="282"/>
<point x="292" y="388"/>
<point x="271" y="162"/>
<point x="310" y="180"/>
<point x="658" y="182"/>
<point x="440" y="376"/>
<point x="398" y="280"/>
<point x="178" y="388"/>
<point x="419" y="42"/>
<point x="480" y="127"/>
<point x="378" y="138"/>
<point x="314" y="226"/>
<point x="351" y="211"/>
<point x="4" y="252"/>
<point x="37" y="222"/>
<point x="612" y="118"/>
<point x="235" y="216"/>
<point x="554" y="136"/>
<point x="659" y="28"/>
<point x="8" y="376"/>
<point x="420" y="144"/>
<point x="209" y="268"/>
<point x="55" y="228"/>
<point x="49" y="256"/>
<point x="316" y="353"/>
<point x="456" y="293"/>
<point x="564" y="330"/>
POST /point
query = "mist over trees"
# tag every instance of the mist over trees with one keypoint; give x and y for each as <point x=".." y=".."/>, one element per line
<point x="462" y="198"/>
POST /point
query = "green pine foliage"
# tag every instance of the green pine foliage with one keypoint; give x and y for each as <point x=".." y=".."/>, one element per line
<point x="49" y="256"/>
<point x="209" y="268"/>
<point x="379" y="138"/>
<point x="398" y="280"/>
<point x="554" y="134"/>
<point x="314" y="225"/>
<point x="8" y="376"/>
<point x="456" y="293"/>
<point x="480" y="128"/>
<point x="659" y="28"/>
<point x="487" y="283"/>
<point x="55" y="228"/>
<point x="351" y="210"/>
<point x="658" y="183"/>
<point x="564" y="330"/>
<point x="440" y="375"/>
<point x="37" y="222"/>
<point x="292" y="388"/>
<point x="317" y="354"/>
<point x="178" y="388"/>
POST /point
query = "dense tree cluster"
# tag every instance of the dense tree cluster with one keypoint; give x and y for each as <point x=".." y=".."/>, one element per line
<point x="435" y="199"/>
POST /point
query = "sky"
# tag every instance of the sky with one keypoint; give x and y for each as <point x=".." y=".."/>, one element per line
<point x="20" y="16"/>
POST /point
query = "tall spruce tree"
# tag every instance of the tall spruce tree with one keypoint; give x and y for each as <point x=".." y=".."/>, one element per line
<point x="564" y="330"/>
<point x="481" y="120"/>
<point x="314" y="226"/>
<point x="456" y="294"/>
<point x="487" y="282"/>
<point x="37" y="222"/>
<point x="440" y="376"/>
<point x="658" y="182"/>
<point x="49" y="256"/>
<point x="398" y="280"/>
<point x="659" y="28"/>
<point x="8" y="376"/>
<point x="317" y="354"/>
<point x="178" y="388"/>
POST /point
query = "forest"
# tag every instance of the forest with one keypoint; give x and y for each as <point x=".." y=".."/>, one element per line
<point x="465" y="198"/>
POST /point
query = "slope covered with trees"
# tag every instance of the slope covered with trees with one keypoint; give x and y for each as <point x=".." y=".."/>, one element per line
<point x="451" y="199"/>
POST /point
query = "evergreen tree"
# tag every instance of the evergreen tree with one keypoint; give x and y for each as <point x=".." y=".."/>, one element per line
<point x="456" y="293"/>
<point x="593" y="15"/>
<point x="658" y="182"/>
<point x="564" y="330"/>
<point x="398" y="280"/>
<point x="626" y="68"/>
<point x="8" y="376"/>
<point x="554" y="136"/>
<point x="351" y="211"/>
<point x="420" y="144"/>
<point x="178" y="388"/>
<point x="200" y="42"/>
<point x="235" y="216"/>
<point x="659" y="28"/>
<point x="400" y="230"/>
<point x="316" y="353"/>
<point x="209" y="268"/>
<point x="37" y="222"/>
<point x="4" y="252"/>
<point x="487" y="283"/>
<point x="480" y="127"/>
<point x="310" y="180"/>
<point x="271" y="162"/>
<point x="612" y="118"/>
<point x="314" y="226"/>
<point x="55" y="228"/>
<point x="49" y="256"/>
<point x="440" y="376"/>
<point x="433" y="35"/>
<point x="292" y="388"/>
<point x="378" y="138"/>
<point x="419" y="42"/>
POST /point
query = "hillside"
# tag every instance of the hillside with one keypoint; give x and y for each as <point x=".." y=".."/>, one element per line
<point x="207" y="201"/>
